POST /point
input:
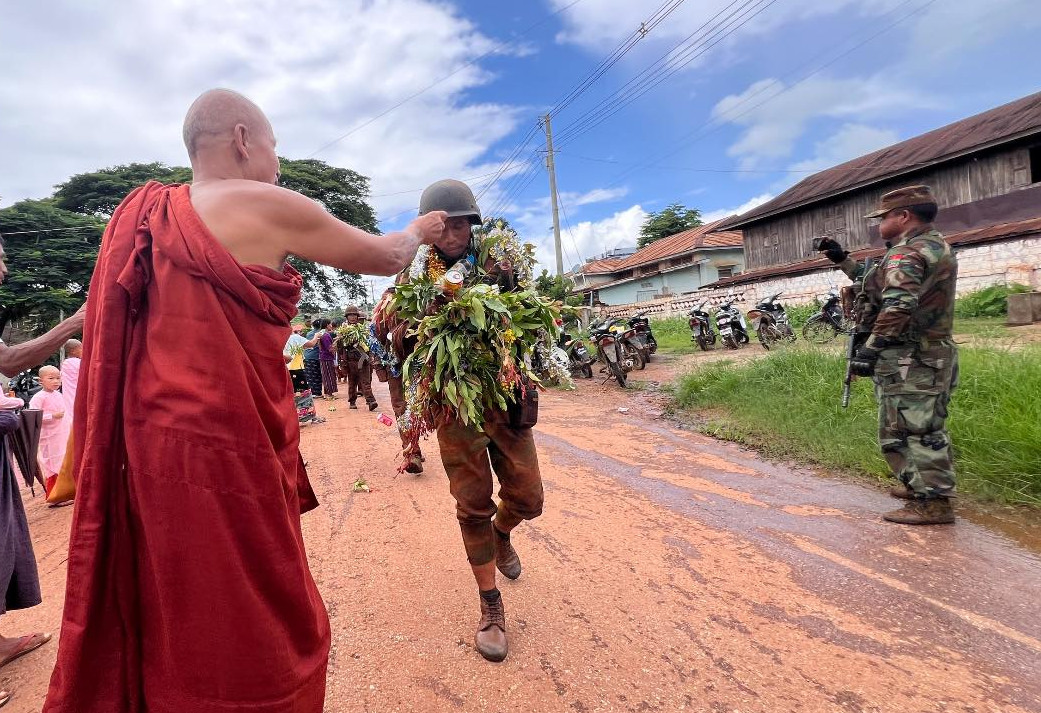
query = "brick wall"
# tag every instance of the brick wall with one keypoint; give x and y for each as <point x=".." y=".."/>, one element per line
<point x="978" y="266"/>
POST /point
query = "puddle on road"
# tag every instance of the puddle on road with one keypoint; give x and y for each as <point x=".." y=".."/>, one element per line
<point x="1019" y="524"/>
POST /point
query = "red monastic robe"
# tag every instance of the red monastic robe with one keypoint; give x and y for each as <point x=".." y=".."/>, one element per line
<point x="188" y="585"/>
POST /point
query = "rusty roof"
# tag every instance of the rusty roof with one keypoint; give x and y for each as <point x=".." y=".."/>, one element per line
<point x="991" y="128"/>
<point x="987" y="234"/>
<point x="699" y="238"/>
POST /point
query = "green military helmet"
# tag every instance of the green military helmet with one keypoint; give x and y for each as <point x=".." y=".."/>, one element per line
<point x="452" y="196"/>
<point x="352" y="309"/>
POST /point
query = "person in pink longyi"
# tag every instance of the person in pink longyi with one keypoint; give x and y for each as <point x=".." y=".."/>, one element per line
<point x="70" y="375"/>
<point x="54" y="435"/>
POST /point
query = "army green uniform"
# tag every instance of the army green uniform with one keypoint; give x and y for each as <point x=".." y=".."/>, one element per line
<point x="908" y="299"/>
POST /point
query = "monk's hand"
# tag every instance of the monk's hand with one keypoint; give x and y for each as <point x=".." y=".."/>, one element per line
<point x="429" y="226"/>
<point x="77" y="318"/>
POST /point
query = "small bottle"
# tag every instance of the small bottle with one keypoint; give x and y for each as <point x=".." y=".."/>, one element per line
<point x="456" y="275"/>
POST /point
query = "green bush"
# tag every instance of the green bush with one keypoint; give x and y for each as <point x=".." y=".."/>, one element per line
<point x="788" y="403"/>
<point x="989" y="302"/>
<point x="799" y="314"/>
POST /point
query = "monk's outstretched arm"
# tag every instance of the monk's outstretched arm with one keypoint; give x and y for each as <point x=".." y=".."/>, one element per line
<point x="17" y="358"/>
<point x="310" y="232"/>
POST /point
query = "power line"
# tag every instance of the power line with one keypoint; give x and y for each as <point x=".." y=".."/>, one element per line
<point x="707" y="128"/>
<point x="424" y="90"/>
<point x="570" y="232"/>
<point x="678" y="57"/>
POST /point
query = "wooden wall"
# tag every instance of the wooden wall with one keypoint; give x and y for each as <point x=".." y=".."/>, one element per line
<point x="788" y="238"/>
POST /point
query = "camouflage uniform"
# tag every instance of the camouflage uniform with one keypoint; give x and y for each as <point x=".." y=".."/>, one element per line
<point x="908" y="299"/>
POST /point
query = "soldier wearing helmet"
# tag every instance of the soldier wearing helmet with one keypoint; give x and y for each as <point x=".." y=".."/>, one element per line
<point x="355" y="361"/>
<point x="905" y="313"/>
<point x="473" y="459"/>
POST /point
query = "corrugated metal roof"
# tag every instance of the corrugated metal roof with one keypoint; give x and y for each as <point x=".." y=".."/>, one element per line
<point x="990" y="233"/>
<point x="991" y="128"/>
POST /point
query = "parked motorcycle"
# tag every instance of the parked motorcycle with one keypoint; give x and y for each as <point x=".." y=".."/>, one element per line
<point x="644" y="334"/>
<point x="701" y="326"/>
<point x="609" y="350"/>
<point x="733" y="330"/>
<point x="829" y="322"/>
<point x="25" y="385"/>
<point x="770" y="322"/>
<point x="580" y="361"/>
<point x="633" y="349"/>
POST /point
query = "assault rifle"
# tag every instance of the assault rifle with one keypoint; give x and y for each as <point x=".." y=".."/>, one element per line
<point x="857" y="338"/>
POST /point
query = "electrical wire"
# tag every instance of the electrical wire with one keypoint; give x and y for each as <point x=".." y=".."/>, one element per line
<point x="494" y="50"/>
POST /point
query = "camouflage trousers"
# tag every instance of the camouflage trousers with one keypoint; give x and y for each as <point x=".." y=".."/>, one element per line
<point x="470" y="457"/>
<point x="913" y="385"/>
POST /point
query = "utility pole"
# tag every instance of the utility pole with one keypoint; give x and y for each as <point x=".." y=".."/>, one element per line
<point x="553" y="196"/>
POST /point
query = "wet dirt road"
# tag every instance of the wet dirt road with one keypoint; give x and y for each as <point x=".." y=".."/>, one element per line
<point x="669" y="572"/>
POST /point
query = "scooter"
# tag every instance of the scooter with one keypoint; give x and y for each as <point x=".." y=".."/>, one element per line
<point x="829" y="322"/>
<point x="733" y="330"/>
<point x="701" y="326"/>
<point x="633" y="348"/>
<point x="580" y="361"/>
<point x="644" y="334"/>
<point x="609" y="350"/>
<point x="770" y="322"/>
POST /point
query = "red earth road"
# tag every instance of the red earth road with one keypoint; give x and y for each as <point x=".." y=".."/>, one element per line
<point x="669" y="572"/>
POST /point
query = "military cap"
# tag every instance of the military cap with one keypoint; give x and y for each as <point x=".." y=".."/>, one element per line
<point x="351" y="309"/>
<point x="903" y="198"/>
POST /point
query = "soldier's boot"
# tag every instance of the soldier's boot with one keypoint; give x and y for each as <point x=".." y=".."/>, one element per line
<point x="414" y="462"/>
<point x="507" y="560"/>
<point x="901" y="491"/>
<point x="935" y="511"/>
<point x="490" y="639"/>
<point x="373" y="405"/>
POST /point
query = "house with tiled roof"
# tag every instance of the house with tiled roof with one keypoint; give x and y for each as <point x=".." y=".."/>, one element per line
<point x="673" y="265"/>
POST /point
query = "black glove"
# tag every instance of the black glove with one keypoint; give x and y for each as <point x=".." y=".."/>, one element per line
<point x="866" y="355"/>
<point x="831" y="249"/>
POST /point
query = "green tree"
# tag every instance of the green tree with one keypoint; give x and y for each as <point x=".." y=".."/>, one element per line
<point x="556" y="287"/>
<point x="674" y="219"/>
<point x="50" y="265"/>
<point x="342" y="192"/>
<point x="98" y="193"/>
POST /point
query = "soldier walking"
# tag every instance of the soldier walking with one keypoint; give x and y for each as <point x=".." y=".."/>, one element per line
<point x="906" y="308"/>
<point x="357" y="364"/>
<point x="473" y="458"/>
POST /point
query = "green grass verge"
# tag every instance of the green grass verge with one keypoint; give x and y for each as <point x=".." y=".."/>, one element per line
<point x="788" y="404"/>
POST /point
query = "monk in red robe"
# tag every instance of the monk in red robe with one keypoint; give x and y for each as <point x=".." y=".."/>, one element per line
<point x="188" y="585"/>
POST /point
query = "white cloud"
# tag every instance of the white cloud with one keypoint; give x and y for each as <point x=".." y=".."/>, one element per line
<point x="579" y="240"/>
<point x="84" y="88"/>
<point x="599" y="25"/>
<point x="775" y="116"/>
<point x="714" y="215"/>
<point x="850" y="141"/>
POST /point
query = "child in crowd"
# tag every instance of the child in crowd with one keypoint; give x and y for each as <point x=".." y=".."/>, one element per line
<point x="54" y="435"/>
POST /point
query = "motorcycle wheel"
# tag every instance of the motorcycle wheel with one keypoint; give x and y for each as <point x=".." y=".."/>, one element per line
<point x="703" y="343"/>
<point x="768" y="336"/>
<point x="631" y="352"/>
<point x="652" y="345"/>
<point x="619" y="373"/>
<point x="818" y="330"/>
<point x="587" y="371"/>
<point x="730" y="343"/>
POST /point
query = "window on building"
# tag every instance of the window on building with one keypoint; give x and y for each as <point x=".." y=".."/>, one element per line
<point x="725" y="271"/>
<point x="1035" y="164"/>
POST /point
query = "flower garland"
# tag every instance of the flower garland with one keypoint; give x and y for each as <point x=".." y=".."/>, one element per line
<point x="474" y="349"/>
<point x="380" y="354"/>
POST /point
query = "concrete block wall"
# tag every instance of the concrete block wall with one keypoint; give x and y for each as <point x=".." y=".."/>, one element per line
<point x="979" y="266"/>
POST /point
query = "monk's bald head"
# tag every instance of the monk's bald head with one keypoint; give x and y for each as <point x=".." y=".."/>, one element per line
<point x="73" y="348"/>
<point x="228" y="136"/>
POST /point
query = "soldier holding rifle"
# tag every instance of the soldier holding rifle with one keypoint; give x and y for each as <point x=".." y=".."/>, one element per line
<point x="905" y="316"/>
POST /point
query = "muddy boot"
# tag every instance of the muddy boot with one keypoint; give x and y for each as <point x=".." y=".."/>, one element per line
<point x="901" y="491"/>
<point x="490" y="638"/>
<point x="507" y="560"/>
<point x="353" y="405"/>
<point x="935" y="511"/>
<point x="373" y="405"/>
<point x="414" y="463"/>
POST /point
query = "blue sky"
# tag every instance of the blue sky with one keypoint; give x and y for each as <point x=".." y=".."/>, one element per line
<point x="85" y="88"/>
